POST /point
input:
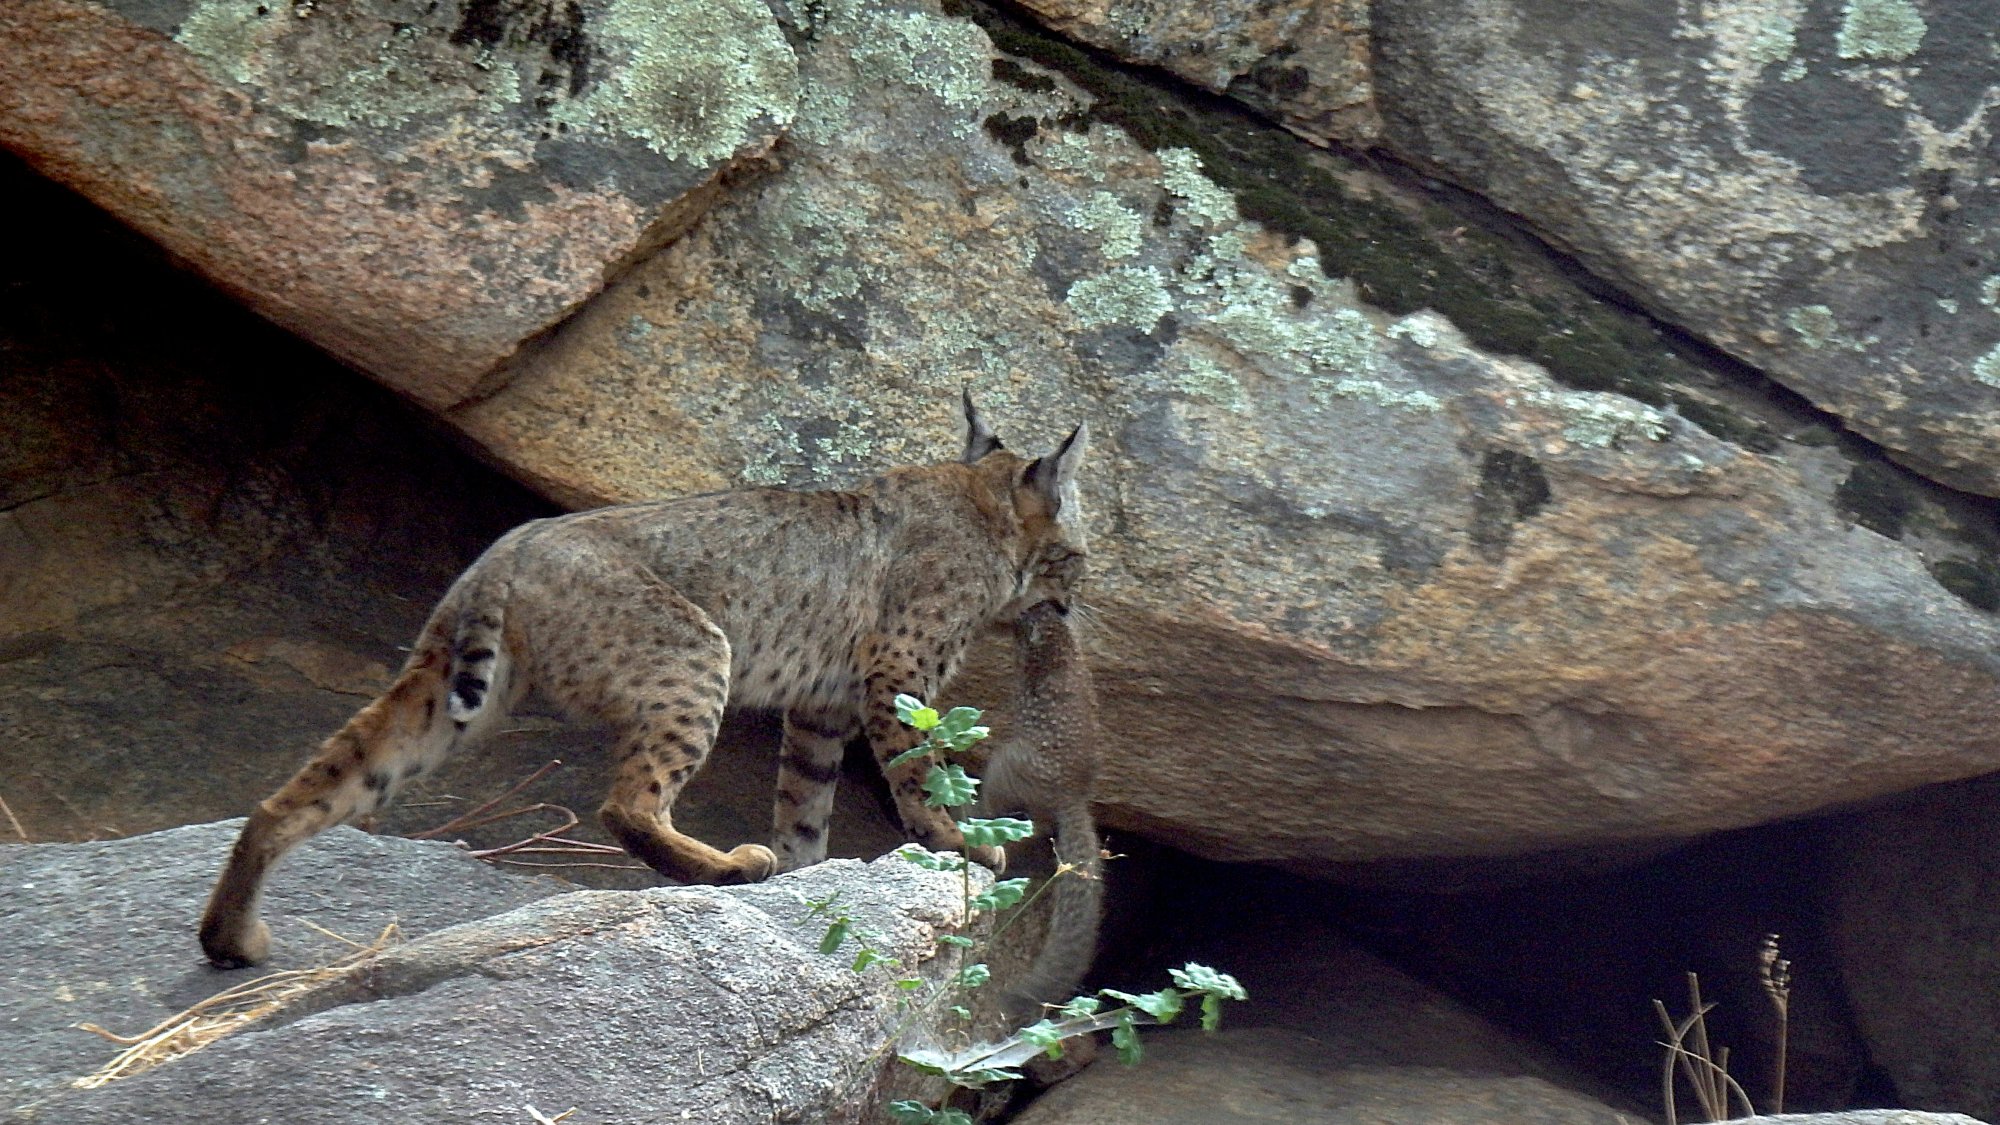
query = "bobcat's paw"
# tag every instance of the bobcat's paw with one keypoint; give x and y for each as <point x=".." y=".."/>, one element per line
<point x="994" y="859"/>
<point x="234" y="946"/>
<point x="754" y="863"/>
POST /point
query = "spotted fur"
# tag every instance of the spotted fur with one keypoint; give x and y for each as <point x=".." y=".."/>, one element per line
<point x="651" y="618"/>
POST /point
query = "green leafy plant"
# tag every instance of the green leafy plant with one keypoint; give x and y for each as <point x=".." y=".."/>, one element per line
<point x="976" y="1065"/>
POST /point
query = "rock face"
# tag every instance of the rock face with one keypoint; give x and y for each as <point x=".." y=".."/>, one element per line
<point x="1364" y="589"/>
<point x="1809" y="186"/>
<point x="1915" y="924"/>
<point x="1329" y="1034"/>
<point x="1305" y="61"/>
<point x="416" y="188"/>
<point x="676" y="1003"/>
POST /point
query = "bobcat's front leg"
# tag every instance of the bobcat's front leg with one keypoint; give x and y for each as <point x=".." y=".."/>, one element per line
<point x="894" y="670"/>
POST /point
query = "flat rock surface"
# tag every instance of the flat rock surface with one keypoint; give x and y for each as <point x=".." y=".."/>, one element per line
<point x="109" y="928"/>
<point x="690" y="1003"/>
<point x="1808" y="185"/>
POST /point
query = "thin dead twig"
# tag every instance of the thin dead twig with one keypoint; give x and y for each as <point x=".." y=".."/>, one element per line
<point x="476" y="816"/>
<point x="14" y="821"/>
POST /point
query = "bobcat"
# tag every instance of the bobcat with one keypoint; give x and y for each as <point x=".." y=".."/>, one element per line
<point x="650" y="617"/>
<point x="1047" y="769"/>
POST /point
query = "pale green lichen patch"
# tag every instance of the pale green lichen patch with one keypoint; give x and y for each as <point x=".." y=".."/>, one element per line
<point x="1987" y="368"/>
<point x="1880" y="29"/>
<point x="1379" y="393"/>
<point x="1420" y="329"/>
<point x="1200" y="377"/>
<point x="1753" y="34"/>
<point x="370" y="73"/>
<point x="1071" y="153"/>
<point x="1989" y="291"/>
<point x="1118" y="226"/>
<point x="1128" y="295"/>
<point x="1599" y="421"/>
<point x="1817" y="327"/>
<point x="949" y="59"/>
<point x="1948" y="305"/>
<point x="1181" y="174"/>
<point x="693" y="82"/>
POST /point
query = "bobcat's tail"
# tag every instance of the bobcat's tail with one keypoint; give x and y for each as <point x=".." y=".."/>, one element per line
<point x="475" y="652"/>
<point x="1076" y="910"/>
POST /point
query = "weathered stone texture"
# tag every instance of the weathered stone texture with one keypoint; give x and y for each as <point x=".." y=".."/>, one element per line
<point x="1306" y="62"/>
<point x="1810" y="186"/>
<point x="1364" y="590"/>
<point x="417" y="188"/>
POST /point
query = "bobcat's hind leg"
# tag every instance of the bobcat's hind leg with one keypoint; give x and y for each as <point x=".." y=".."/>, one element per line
<point x="808" y="775"/>
<point x="355" y="772"/>
<point x="653" y="666"/>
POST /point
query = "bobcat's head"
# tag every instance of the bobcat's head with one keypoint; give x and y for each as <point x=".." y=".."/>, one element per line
<point x="1054" y="549"/>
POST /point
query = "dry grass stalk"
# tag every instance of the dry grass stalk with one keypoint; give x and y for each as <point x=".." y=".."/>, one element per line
<point x="14" y="821"/>
<point x="1705" y="1066"/>
<point x="548" y="842"/>
<point x="544" y="1119"/>
<point x="1775" y="973"/>
<point x="227" y="1011"/>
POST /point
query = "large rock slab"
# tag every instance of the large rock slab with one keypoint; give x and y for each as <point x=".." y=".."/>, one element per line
<point x="1915" y="927"/>
<point x="684" y="1003"/>
<point x="1329" y="1034"/>
<point x="417" y="188"/>
<point x="1364" y="589"/>
<point x="1810" y="186"/>
<point x="1304" y="61"/>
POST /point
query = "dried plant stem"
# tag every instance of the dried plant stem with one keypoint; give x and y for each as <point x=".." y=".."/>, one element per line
<point x="13" y="821"/>
<point x="233" y="1008"/>
<point x="472" y="818"/>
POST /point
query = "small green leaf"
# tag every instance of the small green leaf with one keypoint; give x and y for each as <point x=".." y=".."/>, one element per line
<point x="1081" y="1007"/>
<point x="835" y="934"/>
<point x="910" y="755"/>
<point x="912" y="713"/>
<point x="961" y="1011"/>
<point x="930" y="861"/>
<point x="869" y="957"/>
<point x="910" y="984"/>
<point x="958" y="720"/>
<point x="1004" y="893"/>
<point x="1211" y="1011"/>
<point x="991" y="832"/>
<point x="949" y="786"/>
<point x="972" y="976"/>
<point x="951" y="1117"/>
<point x="1125" y="1037"/>
<point x="1200" y="978"/>
<point x="912" y="1113"/>
<point x="1045" y="1035"/>
<point x="1163" y="1005"/>
<point x="959" y="940"/>
<point x="977" y="1076"/>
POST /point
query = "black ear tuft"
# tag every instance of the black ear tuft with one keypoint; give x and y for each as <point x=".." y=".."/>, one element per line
<point x="1050" y="475"/>
<point x="979" y="438"/>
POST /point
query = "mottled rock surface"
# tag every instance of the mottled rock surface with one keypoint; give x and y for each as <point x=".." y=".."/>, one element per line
<point x="1365" y="590"/>
<point x="1915" y="926"/>
<point x="1810" y="186"/>
<point x="1859" y="1117"/>
<point x="1304" y="61"/>
<point x="1329" y="1034"/>
<point x="690" y="1003"/>
<point x="415" y="187"/>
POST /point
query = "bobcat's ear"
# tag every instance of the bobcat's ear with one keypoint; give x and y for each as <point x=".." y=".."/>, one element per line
<point x="1055" y="474"/>
<point x="979" y="438"/>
